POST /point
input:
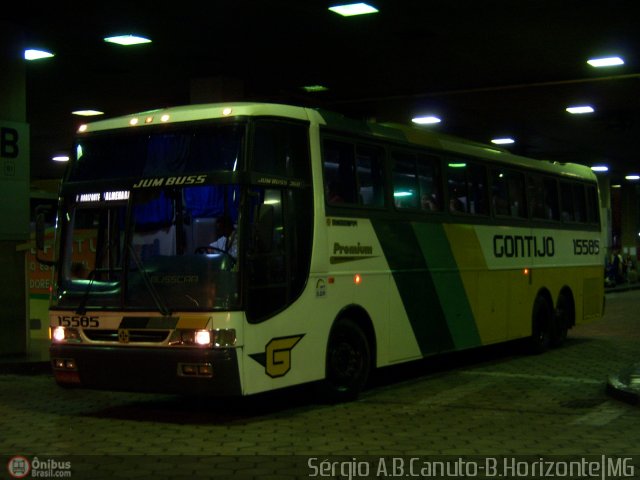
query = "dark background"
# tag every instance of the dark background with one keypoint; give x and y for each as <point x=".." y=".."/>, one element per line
<point x="487" y="68"/>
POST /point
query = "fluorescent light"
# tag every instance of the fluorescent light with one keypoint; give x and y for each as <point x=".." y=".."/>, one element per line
<point x="580" y="109"/>
<point x="87" y="113"/>
<point x="503" y="141"/>
<point x="349" y="10"/>
<point x="314" y="88"/>
<point x="33" y="54"/>
<point x="457" y="165"/>
<point x="605" y="62"/>
<point x="600" y="168"/>
<point x="61" y="158"/>
<point x="127" y="39"/>
<point x="402" y="194"/>
<point x="632" y="177"/>
<point x="427" y="120"/>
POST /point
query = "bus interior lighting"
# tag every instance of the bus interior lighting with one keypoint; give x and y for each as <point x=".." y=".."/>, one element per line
<point x="133" y="121"/>
<point x="227" y="111"/>
<point x="600" y="168"/>
<point x="357" y="279"/>
<point x="165" y="118"/>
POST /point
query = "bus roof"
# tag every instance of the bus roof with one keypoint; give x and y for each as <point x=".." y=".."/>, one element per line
<point x="398" y="133"/>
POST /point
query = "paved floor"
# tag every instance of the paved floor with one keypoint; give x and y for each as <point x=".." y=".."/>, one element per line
<point x="492" y="402"/>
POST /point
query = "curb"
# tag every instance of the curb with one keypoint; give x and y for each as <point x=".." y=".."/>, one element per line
<point x="625" y="385"/>
<point x="25" y="368"/>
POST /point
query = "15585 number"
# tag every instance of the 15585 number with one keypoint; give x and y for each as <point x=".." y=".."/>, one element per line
<point x="78" y="321"/>
<point x="586" y="247"/>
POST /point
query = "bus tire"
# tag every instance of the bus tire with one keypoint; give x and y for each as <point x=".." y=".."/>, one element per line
<point x="348" y="362"/>
<point x="562" y="320"/>
<point x="541" y="326"/>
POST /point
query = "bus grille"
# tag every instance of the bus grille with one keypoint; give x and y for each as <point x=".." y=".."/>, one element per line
<point x="135" y="336"/>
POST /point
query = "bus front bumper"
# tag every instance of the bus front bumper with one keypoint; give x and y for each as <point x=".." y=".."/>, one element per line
<point x="140" y="369"/>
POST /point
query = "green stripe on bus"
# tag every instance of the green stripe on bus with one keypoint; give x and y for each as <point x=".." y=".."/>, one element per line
<point x="450" y="290"/>
<point x="414" y="281"/>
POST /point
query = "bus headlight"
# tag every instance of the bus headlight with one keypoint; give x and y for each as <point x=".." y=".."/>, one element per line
<point x="63" y="334"/>
<point x="219" y="338"/>
<point x="203" y="337"/>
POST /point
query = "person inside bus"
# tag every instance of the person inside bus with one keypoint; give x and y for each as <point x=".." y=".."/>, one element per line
<point x="226" y="241"/>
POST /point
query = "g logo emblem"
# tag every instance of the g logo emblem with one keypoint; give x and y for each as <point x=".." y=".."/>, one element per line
<point x="123" y="335"/>
<point x="276" y="358"/>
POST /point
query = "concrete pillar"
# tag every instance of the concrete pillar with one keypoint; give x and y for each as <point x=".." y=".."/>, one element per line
<point x="630" y="214"/>
<point x="14" y="194"/>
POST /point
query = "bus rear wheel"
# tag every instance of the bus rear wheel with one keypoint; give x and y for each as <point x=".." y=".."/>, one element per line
<point x="541" y="326"/>
<point x="348" y="362"/>
<point x="563" y="318"/>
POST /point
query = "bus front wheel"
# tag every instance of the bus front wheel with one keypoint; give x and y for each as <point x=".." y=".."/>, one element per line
<point x="348" y="362"/>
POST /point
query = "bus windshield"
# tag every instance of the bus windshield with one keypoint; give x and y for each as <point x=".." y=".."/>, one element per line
<point x="158" y="249"/>
<point x="210" y="148"/>
<point x="141" y="216"/>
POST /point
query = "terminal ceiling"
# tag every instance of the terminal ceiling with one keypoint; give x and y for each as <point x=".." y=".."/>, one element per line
<point x="487" y="69"/>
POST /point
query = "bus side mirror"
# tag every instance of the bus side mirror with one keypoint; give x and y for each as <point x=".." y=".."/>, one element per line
<point x="40" y="228"/>
<point x="40" y="234"/>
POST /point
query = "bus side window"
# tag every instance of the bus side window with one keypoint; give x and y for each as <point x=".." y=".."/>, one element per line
<point x="430" y="184"/>
<point x="593" y="208"/>
<point x="369" y="173"/>
<point x="467" y="183"/>
<point x="566" y="202"/>
<point x="580" y="204"/>
<point x="543" y="198"/>
<point x="339" y="172"/>
<point x="405" y="189"/>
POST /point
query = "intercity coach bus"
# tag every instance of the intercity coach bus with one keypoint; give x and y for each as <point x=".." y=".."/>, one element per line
<point x="357" y="245"/>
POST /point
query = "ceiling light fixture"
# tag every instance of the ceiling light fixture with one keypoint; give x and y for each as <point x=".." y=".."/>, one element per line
<point x="503" y="141"/>
<point x="600" y="168"/>
<point x="426" y="120"/>
<point x="314" y="88"/>
<point x="580" y="109"/>
<point x="605" y="62"/>
<point x="34" y="54"/>
<point x="127" y="40"/>
<point x="87" y="113"/>
<point x="352" y="9"/>
<point x="61" y="158"/>
<point x="632" y="177"/>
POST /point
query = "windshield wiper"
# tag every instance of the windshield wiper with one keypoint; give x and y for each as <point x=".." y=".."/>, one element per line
<point x="82" y="306"/>
<point x="162" y="308"/>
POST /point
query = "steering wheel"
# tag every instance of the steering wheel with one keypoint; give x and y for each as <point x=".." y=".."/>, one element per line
<point x="209" y="249"/>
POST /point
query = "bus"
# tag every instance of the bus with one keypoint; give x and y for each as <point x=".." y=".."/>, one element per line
<point x="357" y="246"/>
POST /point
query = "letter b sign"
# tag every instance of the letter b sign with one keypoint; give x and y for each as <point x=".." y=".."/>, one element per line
<point x="9" y="143"/>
